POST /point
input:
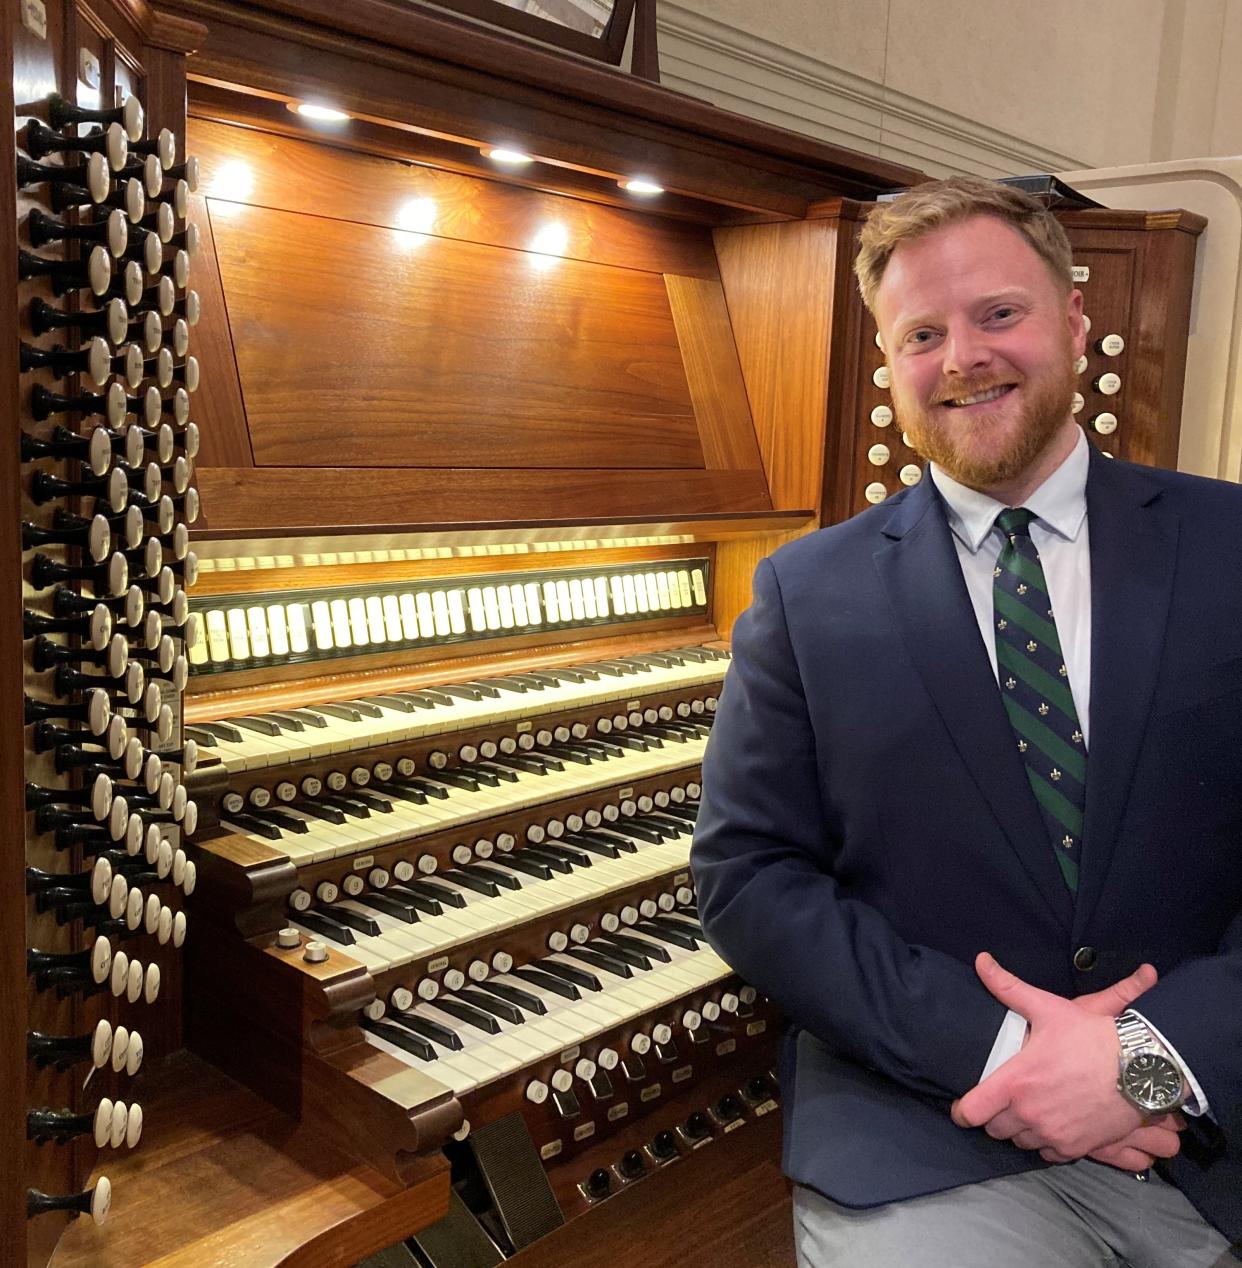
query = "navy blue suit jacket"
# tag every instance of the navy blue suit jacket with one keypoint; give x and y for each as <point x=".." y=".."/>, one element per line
<point x="867" y="828"/>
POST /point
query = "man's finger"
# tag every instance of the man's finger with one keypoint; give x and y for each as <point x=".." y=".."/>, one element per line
<point x="1013" y="992"/>
<point x="1120" y="995"/>
<point x="1123" y="1158"/>
<point x="1160" y="1142"/>
<point x="982" y="1103"/>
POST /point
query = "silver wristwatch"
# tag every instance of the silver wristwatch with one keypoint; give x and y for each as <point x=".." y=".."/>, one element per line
<point x="1150" y="1079"/>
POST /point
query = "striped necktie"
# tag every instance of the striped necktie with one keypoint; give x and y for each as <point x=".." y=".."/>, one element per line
<point x="1035" y="687"/>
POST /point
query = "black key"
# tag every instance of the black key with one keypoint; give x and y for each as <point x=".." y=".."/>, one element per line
<point x="666" y="822"/>
<point x="467" y="880"/>
<point x="606" y="848"/>
<point x="486" y="687"/>
<point x="568" y="755"/>
<point x="456" y="779"/>
<point x="324" y="925"/>
<point x="562" y="673"/>
<point x="428" y="906"/>
<point x="262" y="726"/>
<point x="343" y="711"/>
<point x="497" y="1007"/>
<point x="248" y="823"/>
<point x="364" y="707"/>
<point x="666" y="733"/>
<point x="390" y="905"/>
<point x="680" y="927"/>
<point x="445" y="894"/>
<point x="545" y="676"/>
<point x="461" y="691"/>
<point x="691" y="910"/>
<point x="317" y="810"/>
<point x="605" y="837"/>
<point x="472" y="1016"/>
<point x="499" y="773"/>
<point x="677" y="937"/>
<point x="496" y="875"/>
<point x="599" y="669"/>
<point x="662" y="660"/>
<point x="635" y="743"/>
<point x="481" y="775"/>
<point x="608" y="963"/>
<point x="222" y="731"/>
<point x="691" y="730"/>
<point x="548" y="982"/>
<point x="394" y="704"/>
<point x="515" y="995"/>
<point x="416" y="699"/>
<point x="550" y="858"/>
<point x="282" y="819"/>
<point x="635" y="959"/>
<point x="529" y="866"/>
<point x="428" y="1028"/>
<point x="399" y="1037"/>
<point x="369" y="797"/>
<point x="531" y="681"/>
<point x="286" y="721"/>
<point x="624" y="666"/>
<point x="307" y="717"/>
<point x="679" y="812"/>
<point x="643" y="663"/>
<point x="434" y="696"/>
<point x="403" y="792"/>
<point x="203" y="738"/>
<point x="681" y="917"/>
<point x="639" y="830"/>
<point x="640" y="946"/>
<point x="700" y="655"/>
<point x="347" y="805"/>
<point x="522" y="761"/>
<point x="570" y="973"/>
<point x="608" y="747"/>
<point x="352" y="919"/>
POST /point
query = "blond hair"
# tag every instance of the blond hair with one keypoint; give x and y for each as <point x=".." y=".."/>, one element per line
<point x="941" y="202"/>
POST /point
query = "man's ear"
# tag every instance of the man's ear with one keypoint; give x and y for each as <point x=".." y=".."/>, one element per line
<point x="1078" y="331"/>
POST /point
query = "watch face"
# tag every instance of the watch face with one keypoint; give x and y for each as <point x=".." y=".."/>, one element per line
<point x="1152" y="1082"/>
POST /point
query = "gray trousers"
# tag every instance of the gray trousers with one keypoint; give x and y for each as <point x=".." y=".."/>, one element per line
<point x="1084" y="1215"/>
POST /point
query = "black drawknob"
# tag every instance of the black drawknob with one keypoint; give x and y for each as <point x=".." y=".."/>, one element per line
<point x="127" y="607"/>
<point x="93" y="1202"/>
<point x="71" y="971"/>
<point x="96" y="449"/>
<point x="632" y="1165"/>
<point x="93" y="535"/>
<point x="98" y="794"/>
<point x="148" y="171"/>
<point x="112" y="576"/>
<point x="112" y="320"/>
<point x="87" y="183"/>
<point x="111" y="489"/>
<point x="94" y="628"/>
<point x="65" y="1051"/>
<point x="94" y="270"/>
<point x="186" y="171"/>
<point x="728" y="1108"/>
<point x="112" y="404"/>
<point x="163" y="146"/>
<point x="759" y="1088"/>
<point x="696" y="1126"/>
<point x="62" y="112"/>
<point x="112" y="231"/>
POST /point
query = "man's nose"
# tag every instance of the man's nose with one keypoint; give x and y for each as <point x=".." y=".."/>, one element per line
<point x="965" y="350"/>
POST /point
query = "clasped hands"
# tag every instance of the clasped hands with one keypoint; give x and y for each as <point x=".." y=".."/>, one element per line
<point x="1059" y="1094"/>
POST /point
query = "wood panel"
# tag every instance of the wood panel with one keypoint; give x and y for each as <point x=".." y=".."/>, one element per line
<point x="717" y="388"/>
<point x="735" y="568"/>
<point x="218" y="407"/>
<point x="318" y="179"/>
<point x="223" y="1178"/>
<point x="780" y="282"/>
<point x="287" y="501"/>
<point x="424" y="352"/>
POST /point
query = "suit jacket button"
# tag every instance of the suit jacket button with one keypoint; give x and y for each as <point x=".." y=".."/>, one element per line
<point x="1084" y="959"/>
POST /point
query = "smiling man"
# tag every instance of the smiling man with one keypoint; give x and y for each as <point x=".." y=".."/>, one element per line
<point x="996" y="721"/>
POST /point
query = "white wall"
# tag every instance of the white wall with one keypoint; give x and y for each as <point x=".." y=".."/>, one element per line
<point x="988" y="86"/>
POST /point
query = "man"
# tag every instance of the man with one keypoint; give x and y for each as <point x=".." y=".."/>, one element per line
<point x="999" y="715"/>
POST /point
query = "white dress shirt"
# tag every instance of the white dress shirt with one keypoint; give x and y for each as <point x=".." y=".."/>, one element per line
<point x="1059" y="532"/>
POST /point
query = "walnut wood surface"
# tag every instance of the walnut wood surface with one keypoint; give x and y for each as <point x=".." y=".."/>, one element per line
<point x="258" y="168"/>
<point x="222" y="1178"/>
<point x="286" y="500"/>
<point x="382" y="348"/>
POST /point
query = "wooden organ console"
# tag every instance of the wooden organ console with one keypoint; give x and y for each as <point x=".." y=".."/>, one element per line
<point x="444" y="543"/>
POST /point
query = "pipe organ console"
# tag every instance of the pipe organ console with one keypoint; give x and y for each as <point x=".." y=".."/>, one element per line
<point x="380" y="514"/>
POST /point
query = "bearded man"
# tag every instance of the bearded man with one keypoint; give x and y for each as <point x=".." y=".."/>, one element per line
<point x="994" y="721"/>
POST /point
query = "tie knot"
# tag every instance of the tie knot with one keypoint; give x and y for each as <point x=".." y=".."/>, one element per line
<point x="1015" y="521"/>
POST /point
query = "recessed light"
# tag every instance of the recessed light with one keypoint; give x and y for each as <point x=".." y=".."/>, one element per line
<point x="641" y="185"/>
<point x="322" y="114"/>
<point x="505" y="154"/>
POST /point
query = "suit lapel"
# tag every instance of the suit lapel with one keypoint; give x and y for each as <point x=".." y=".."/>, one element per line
<point x="923" y="579"/>
<point x="1133" y="555"/>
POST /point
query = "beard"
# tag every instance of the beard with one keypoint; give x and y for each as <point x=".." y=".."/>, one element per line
<point x="984" y="449"/>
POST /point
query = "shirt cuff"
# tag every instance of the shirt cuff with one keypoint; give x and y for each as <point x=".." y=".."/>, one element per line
<point x="1009" y="1040"/>
<point x="1196" y="1102"/>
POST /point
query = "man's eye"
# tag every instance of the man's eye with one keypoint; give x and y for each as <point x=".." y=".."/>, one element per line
<point x="1001" y="313"/>
<point x="918" y="336"/>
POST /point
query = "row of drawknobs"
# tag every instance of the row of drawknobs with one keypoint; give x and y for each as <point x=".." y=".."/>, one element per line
<point x="110" y="563"/>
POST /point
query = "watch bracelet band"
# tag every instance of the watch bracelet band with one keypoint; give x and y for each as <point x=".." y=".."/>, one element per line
<point x="1135" y="1036"/>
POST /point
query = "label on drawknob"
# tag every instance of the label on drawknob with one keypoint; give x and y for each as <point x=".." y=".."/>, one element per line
<point x="618" y="1111"/>
<point x="682" y="1073"/>
<point x="756" y="1028"/>
<point x="584" y="1130"/>
<point x="551" y="1149"/>
<point x="649" y="1093"/>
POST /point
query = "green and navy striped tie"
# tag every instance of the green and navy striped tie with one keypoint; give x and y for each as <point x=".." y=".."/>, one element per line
<point x="1035" y="687"/>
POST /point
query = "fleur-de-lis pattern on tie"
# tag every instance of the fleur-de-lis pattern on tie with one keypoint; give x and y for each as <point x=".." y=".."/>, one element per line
<point x="1035" y="688"/>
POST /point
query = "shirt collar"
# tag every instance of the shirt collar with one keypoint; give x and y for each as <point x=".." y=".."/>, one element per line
<point x="1060" y="503"/>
